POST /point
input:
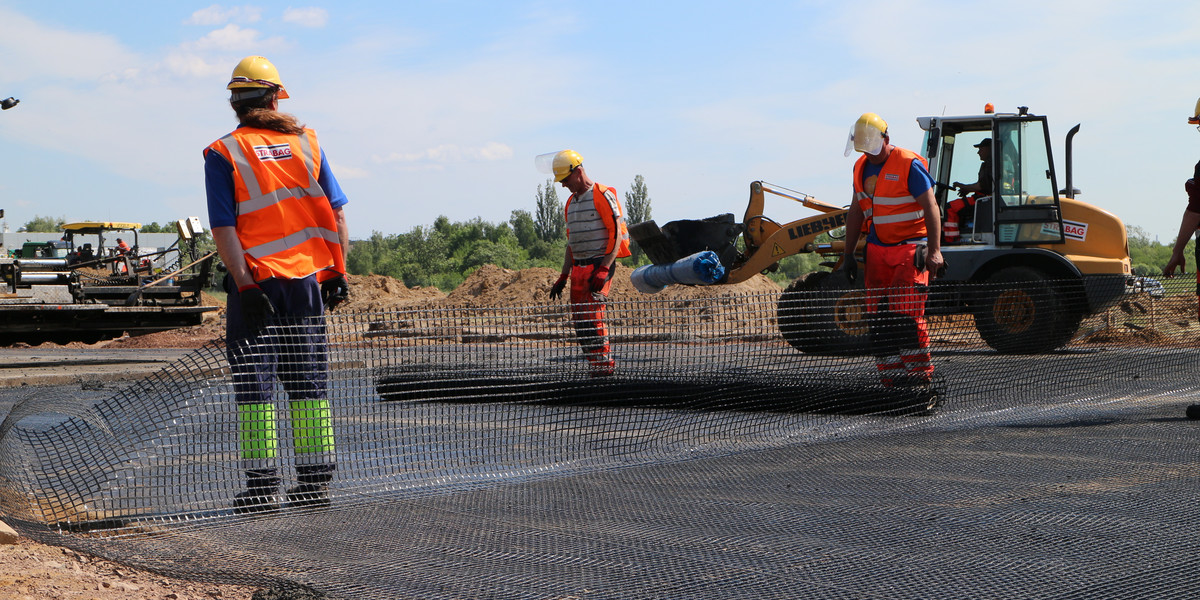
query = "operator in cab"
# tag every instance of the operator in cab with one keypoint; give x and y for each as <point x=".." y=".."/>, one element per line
<point x="960" y="209"/>
<point x="895" y="208"/>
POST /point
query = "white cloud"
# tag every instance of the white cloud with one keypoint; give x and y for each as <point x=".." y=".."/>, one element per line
<point x="229" y="37"/>
<point x="450" y="153"/>
<point x="217" y="14"/>
<point x="34" y="52"/>
<point x="306" y="17"/>
<point x="350" y="172"/>
<point x="193" y="65"/>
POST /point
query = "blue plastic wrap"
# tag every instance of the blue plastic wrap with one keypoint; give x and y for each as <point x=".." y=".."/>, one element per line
<point x="701" y="268"/>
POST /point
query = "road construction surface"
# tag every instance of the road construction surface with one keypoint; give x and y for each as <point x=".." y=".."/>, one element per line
<point x="1066" y="475"/>
<point x="88" y="367"/>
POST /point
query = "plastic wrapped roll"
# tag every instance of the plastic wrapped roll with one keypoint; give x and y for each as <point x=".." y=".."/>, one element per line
<point x="701" y="268"/>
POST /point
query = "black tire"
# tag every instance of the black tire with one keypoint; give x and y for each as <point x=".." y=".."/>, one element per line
<point x="821" y="314"/>
<point x="1020" y="311"/>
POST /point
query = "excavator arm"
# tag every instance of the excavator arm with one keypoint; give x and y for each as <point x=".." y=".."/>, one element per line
<point x="767" y="242"/>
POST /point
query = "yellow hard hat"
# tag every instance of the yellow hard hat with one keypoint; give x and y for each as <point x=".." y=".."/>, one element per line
<point x="565" y="162"/>
<point x="1195" y="118"/>
<point x="560" y="164"/>
<point x="254" y="76"/>
<point x="867" y="134"/>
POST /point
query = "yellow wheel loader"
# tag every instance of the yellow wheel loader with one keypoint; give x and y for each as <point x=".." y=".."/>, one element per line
<point x="1030" y="263"/>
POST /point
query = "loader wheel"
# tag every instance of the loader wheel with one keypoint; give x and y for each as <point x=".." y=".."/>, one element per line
<point x="1021" y="312"/>
<point x="820" y="315"/>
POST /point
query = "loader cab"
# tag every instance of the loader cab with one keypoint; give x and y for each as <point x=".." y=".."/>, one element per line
<point x="1022" y="206"/>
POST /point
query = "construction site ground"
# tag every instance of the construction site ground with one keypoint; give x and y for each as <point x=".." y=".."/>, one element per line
<point x="34" y="571"/>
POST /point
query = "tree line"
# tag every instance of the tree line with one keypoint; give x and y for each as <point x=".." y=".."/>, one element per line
<point x="443" y="254"/>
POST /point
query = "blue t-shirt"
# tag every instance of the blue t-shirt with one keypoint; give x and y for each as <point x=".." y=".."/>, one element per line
<point x="218" y="184"/>
<point x="919" y="182"/>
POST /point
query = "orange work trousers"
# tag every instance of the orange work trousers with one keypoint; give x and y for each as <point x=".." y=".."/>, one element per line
<point x="587" y="316"/>
<point x="896" y="292"/>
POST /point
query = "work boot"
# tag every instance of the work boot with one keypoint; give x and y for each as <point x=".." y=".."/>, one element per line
<point x="1193" y="411"/>
<point x="313" y="491"/>
<point x="602" y="367"/>
<point x="913" y="394"/>
<point x="308" y="495"/>
<point x="261" y="495"/>
<point x="602" y="371"/>
<point x="927" y="398"/>
<point x="255" y="501"/>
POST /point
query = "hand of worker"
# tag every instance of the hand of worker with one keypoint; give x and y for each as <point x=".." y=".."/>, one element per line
<point x="556" y="290"/>
<point x="334" y="292"/>
<point x="599" y="277"/>
<point x="257" y="309"/>
<point x="935" y="263"/>
<point x="1176" y="261"/>
<point x="849" y="269"/>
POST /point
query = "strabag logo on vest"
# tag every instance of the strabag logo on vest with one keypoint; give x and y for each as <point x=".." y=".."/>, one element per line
<point x="273" y="152"/>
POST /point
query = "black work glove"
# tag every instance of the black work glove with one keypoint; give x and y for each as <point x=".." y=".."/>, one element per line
<point x="599" y="277"/>
<point x="334" y="292"/>
<point x="919" y="257"/>
<point x="257" y="309"/>
<point x="849" y="269"/>
<point x="556" y="290"/>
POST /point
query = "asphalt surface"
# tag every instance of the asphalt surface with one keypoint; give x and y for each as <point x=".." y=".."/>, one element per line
<point x="22" y="367"/>
<point x="1068" y="475"/>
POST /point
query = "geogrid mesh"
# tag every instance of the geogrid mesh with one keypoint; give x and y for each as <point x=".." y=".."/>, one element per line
<point x="476" y="458"/>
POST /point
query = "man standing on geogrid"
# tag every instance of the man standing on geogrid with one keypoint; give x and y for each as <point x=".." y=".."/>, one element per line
<point x="275" y="211"/>
<point x="895" y="206"/>
<point x="596" y="237"/>
<point x="1187" y="227"/>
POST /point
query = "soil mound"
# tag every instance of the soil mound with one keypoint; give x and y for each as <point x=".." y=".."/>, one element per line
<point x="493" y="286"/>
<point x="375" y="293"/>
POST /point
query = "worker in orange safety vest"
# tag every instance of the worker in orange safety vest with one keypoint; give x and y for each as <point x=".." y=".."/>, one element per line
<point x="597" y="236"/>
<point x="1188" y="226"/>
<point x="276" y="215"/>
<point x="894" y="203"/>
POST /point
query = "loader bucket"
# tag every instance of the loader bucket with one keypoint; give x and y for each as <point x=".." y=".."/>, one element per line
<point x="679" y="239"/>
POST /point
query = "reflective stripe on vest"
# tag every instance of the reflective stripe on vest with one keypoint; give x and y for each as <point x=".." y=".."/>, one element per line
<point x="292" y="240"/>
<point x="284" y="222"/>
<point x="258" y="199"/>
<point x="892" y="209"/>
<point x="617" y="232"/>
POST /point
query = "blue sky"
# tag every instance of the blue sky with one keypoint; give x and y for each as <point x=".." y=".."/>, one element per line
<point x="438" y="108"/>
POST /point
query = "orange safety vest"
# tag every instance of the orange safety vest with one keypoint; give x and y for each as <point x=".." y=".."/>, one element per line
<point x="606" y="217"/>
<point x="284" y="221"/>
<point x="892" y="209"/>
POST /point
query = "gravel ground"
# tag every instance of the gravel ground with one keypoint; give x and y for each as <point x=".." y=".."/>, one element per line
<point x="33" y="571"/>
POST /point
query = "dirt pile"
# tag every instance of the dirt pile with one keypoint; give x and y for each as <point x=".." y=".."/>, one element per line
<point x="374" y="293"/>
<point x="488" y="286"/>
<point x="1141" y="320"/>
<point x="493" y="286"/>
